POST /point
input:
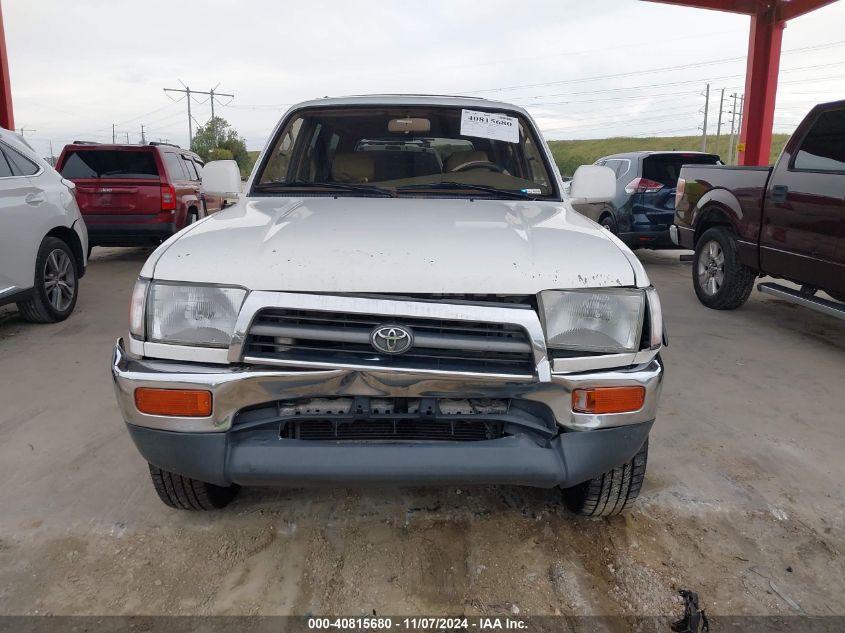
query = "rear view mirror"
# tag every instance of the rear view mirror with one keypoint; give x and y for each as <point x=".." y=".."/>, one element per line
<point x="409" y="124"/>
<point x="222" y="178"/>
<point x="592" y="183"/>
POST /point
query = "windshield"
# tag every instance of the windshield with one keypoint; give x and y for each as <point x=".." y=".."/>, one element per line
<point x="447" y="151"/>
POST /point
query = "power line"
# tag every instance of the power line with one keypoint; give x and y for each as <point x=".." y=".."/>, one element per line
<point x="188" y="92"/>
<point x="676" y="83"/>
<point x="648" y="71"/>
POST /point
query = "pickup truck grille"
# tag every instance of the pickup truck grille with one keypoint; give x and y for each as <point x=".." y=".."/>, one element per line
<point x="342" y="338"/>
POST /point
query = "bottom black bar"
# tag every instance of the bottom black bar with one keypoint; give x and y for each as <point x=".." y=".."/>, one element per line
<point x="382" y="623"/>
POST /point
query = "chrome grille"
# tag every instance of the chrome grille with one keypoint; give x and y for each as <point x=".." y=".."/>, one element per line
<point x="343" y="338"/>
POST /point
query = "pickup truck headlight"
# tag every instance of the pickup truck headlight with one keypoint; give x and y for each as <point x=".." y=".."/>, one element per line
<point x="192" y="315"/>
<point x="606" y="320"/>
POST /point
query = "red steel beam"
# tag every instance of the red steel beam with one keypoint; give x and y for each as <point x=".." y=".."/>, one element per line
<point x="794" y="8"/>
<point x="761" y="82"/>
<point x="7" y="117"/>
<point x="747" y="7"/>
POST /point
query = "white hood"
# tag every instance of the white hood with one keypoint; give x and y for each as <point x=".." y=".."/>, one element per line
<point x="396" y="245"/>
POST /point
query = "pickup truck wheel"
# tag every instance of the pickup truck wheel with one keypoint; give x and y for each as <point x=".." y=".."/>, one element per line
<point x="184" y="493"/>
<point x="721" y="282"/>
<point x="56" y="284"/>
<point x="611" y="493"/>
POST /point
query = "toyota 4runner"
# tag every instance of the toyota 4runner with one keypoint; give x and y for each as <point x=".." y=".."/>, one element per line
<point x="402" y="295"/>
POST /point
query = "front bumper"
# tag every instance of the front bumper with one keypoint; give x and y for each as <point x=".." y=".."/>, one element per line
<point x="554" y="447"/>
<point x="263" y="459"/>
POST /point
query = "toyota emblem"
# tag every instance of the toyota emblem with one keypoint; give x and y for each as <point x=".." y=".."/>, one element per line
<point x="391" y="339"/>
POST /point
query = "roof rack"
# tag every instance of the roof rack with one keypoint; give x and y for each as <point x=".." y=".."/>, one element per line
<point x="87" y="143"/>
<point x="163" y="143"/>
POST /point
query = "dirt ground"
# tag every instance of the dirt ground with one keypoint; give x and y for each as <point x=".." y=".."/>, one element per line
<point x="744" y="501"/>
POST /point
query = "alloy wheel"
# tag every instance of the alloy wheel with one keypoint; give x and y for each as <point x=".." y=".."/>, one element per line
<point x="59" y="279"/>
<point x="711" y="268"/>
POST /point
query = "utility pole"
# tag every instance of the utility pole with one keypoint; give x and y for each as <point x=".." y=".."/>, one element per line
<point x="704" y="127"/>
<point x="219" y="94"/>
<point x="21" y="130"/>
<point x="738" y="127"/>
<point x="188" y="92"/>
<point x="127" y="137"/>
<point x="143" y="138"/>
<point x="731" y="137"/>
<point x="112" y="134"/>
<point x="719" y="123"/>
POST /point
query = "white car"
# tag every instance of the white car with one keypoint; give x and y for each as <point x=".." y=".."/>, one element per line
<point x="43" y="240"/>
<point x="401" y="295"/>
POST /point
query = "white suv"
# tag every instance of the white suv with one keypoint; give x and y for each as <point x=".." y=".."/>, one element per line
<point x="402" y="295"/>
<point x="43" y="241"/>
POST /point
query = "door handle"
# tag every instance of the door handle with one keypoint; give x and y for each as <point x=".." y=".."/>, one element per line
<point x="779" y="193"/>
<point x="35" y="198"/>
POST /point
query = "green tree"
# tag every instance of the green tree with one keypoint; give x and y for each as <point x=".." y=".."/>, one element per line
<point x="220" y="153"/>
<point x="217" y="140"/>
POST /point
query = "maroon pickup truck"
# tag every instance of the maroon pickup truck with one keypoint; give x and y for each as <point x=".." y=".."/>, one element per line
<point x="786" y="221"/>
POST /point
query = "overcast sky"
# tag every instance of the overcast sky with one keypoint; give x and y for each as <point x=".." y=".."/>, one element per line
<point x="584" y="69"/>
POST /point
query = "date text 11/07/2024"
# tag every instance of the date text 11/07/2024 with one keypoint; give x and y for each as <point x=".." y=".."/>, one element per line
<point x="418" y="623"/>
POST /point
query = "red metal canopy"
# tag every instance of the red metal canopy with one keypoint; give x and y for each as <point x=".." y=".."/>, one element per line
<point x="7" y="119"/>
<point x="768" y="19"/>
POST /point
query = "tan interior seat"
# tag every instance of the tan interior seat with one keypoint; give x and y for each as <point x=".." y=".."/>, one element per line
<point x="459" y="159"/>
<point x="355" y="168"/>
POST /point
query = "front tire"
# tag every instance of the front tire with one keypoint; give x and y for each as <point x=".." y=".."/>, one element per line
<point x="56" y="284"/>
<point x="611" y="493"/>
<point x="184" y="493"/>
<point x="720" y="281"/>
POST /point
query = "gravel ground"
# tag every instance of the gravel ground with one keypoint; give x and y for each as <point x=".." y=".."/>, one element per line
<point x="743" y="500"/>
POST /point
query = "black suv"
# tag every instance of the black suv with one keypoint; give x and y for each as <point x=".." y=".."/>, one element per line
<point x="644" y="206"/>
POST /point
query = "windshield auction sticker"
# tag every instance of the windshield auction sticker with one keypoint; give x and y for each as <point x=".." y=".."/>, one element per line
<point x="499" y="127"/>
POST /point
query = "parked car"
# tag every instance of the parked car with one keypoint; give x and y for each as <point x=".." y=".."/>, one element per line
<point x="644" y="205"/>
<point x="370" y="315"/>
<point x="786" y="221"/>
<point x="43" y="241"/>
<point x="134" y="194"/>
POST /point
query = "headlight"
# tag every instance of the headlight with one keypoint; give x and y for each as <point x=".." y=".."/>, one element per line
<point x="192" y="315"/>
<point x="606" y="320"/>
<point x="136" y="308"/>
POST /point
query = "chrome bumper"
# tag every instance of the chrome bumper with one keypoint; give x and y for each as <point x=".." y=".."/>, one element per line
<point x="235" y="387"/>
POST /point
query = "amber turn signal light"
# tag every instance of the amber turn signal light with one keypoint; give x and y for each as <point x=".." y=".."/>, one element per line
<point x="186" y="403"/>
<point x="608" y="399"/>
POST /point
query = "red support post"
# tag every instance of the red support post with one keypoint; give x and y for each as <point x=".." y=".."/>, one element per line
<point x="761" y="81"/>
<point x="7" y="117"/>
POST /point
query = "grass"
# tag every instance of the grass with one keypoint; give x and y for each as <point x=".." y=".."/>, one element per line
<point x="570" y="154"/>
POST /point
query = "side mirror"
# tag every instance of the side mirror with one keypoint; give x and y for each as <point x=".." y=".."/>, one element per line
<point x="222" y="178"/>
<point x="592" y="183"/>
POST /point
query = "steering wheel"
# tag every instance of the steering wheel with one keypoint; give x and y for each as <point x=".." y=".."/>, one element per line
<point x="479" y="164"/>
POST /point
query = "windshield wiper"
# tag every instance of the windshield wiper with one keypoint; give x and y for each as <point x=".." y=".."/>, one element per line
<point x="448" y="185"/>
<point x="334" y="186"/>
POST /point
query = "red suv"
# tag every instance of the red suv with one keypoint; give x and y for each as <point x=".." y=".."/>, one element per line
<point x="134" y="194"/>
